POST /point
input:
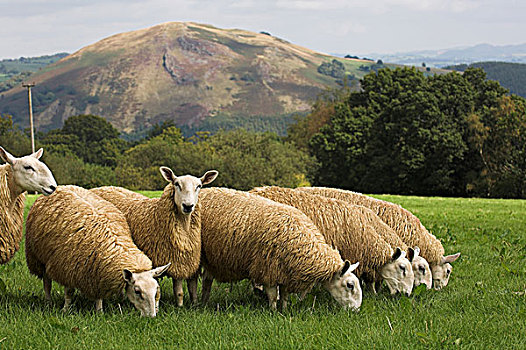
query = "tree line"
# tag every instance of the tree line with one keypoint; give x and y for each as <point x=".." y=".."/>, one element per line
<point x="404" y="132"/>
<point x="408" y="133"/>
<point x="89" y="152"/>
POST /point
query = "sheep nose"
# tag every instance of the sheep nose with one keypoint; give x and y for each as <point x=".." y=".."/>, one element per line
<point x="407" y="294"/>
<point x="53" y="188"/>
<point x="188" y="208"/>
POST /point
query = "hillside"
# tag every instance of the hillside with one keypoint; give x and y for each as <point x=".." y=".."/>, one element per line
<point x="14" y="71"/>
<point x="185" y="72"/>
<point x="512" y="76"/>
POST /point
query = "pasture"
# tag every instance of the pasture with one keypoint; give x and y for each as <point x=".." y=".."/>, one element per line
<point x="484" y="305"/>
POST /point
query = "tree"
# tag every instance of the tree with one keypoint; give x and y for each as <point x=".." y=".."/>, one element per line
<point x="409" y="133"/>
<point x="91" y="138"/>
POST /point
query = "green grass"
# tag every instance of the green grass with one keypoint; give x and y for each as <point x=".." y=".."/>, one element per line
<point x="484" y="306"/>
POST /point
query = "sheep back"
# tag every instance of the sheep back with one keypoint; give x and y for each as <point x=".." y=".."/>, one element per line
<point x="248" y="236"/>
<point x="407" y="226"/>
<point x="159" y="230"/>
<point x="355" y="231"/>
<point x="81" y="241"/>
<point x="11" y="216"/>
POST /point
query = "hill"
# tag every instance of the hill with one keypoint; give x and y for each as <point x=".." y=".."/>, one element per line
<point x="14" y="71"/>
<point x="512" y="76"/>
<point x="186" y="72"/>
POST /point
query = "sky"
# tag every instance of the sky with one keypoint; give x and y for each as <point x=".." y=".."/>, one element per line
<point x="357" y="27"/>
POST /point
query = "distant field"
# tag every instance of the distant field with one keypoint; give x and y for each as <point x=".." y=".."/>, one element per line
<point x="484" y="306"/>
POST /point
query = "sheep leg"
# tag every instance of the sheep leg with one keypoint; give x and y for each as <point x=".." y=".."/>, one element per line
<point x="284" y="297"/>
<point x="98" y="305"/>
<point x="178" y="291"/>
<point x="68" y="296"/>
<point x="47" y="286"/>
<point x="377" y="286"/>
<point x="192" y="288"/>
<point x="272" y="294"/>
<point x="206" y="287"/>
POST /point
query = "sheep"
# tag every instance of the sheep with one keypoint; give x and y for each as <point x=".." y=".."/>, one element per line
<point x="421" y="269"/>
<point x="357" y="233"/>
<point x="167" y="229"/>
<point x="406" y="225"/>
<point x="276" y="245"/>
<point x="17" y="176"/>
<point x="82" y="241"/>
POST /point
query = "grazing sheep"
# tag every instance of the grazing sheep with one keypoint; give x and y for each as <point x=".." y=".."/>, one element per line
<point x="167" y="229"/>
<point x="421" y="270"/>
<point x="356" y="232"/>
<point x="82" y="241"/>
<point x="17" y="176"/>
<point x="248" y="236"/>
<point x="405" y="224"/>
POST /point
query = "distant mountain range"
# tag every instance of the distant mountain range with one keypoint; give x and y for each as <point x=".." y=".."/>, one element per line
<point x="452" y="56"/>
<point x="204" y="78"/>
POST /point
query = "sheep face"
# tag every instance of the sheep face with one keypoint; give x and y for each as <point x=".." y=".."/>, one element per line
<point x="421" y="270"/>
<point x="30" y="174"/>
<point x="442" y="271"/>
<point x="187" y="188"/>
<point x="398" y="274"/>
<point x="344" y="286"/>
<point x="143" y="290"/>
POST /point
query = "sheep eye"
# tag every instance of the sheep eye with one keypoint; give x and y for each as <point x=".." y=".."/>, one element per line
<point x="177" y="185"/>
<point x="199" y="187"/>
<point x="29" y="167"/>
<point x="448" y="272"/>
<point x="138" y="293"/>
<point x="421" y="269"/>
<point x="402" y="267"/>
<point x="350" y="286"/>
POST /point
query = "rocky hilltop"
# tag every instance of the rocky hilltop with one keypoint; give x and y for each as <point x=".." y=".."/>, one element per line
<point x="181" y="71"/>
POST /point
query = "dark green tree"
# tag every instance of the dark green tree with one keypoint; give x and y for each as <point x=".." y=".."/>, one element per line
<point x="89" y="137"/>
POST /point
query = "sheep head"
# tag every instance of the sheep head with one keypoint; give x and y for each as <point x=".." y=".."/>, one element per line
<point x="142" y="289"/>
<point x="29" y="173"/>
<point x="442" y="271"/>
<point x="344" y="286"/>
<point x="186" y="188"/>
<point x="420" y="268"/>
<point x="398" y="273"/>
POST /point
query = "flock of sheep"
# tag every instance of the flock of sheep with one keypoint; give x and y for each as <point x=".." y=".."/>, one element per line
<point x="109" y="239"/>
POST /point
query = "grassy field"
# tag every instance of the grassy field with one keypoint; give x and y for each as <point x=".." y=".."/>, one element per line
<point x="484" y="305"/>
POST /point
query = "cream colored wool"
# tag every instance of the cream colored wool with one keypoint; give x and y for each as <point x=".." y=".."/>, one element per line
<point x="163" y="233"/>
<point x="11" y="214"/>
<point x="248" y="236"/>
<point x="81" y="241"/>
<point x="406" y="225"/>
<point x="355" y="231"/>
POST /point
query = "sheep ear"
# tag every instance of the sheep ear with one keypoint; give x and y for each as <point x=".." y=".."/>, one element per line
<point x="410" y="254"/>
<point x="397" y="254"/>
<point x="345" y="267"/>
<point x="417" y="251"/>
<point x="168" y="174"/>
<point x="38" y="153"/>
<point x="128" y="276"/>
<point x="158" y="271"/>
<point x="6" y="156"/>
<point x="354" y="266"/>
<point x="450" y="258"/>
<point x="209" y="176"/>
